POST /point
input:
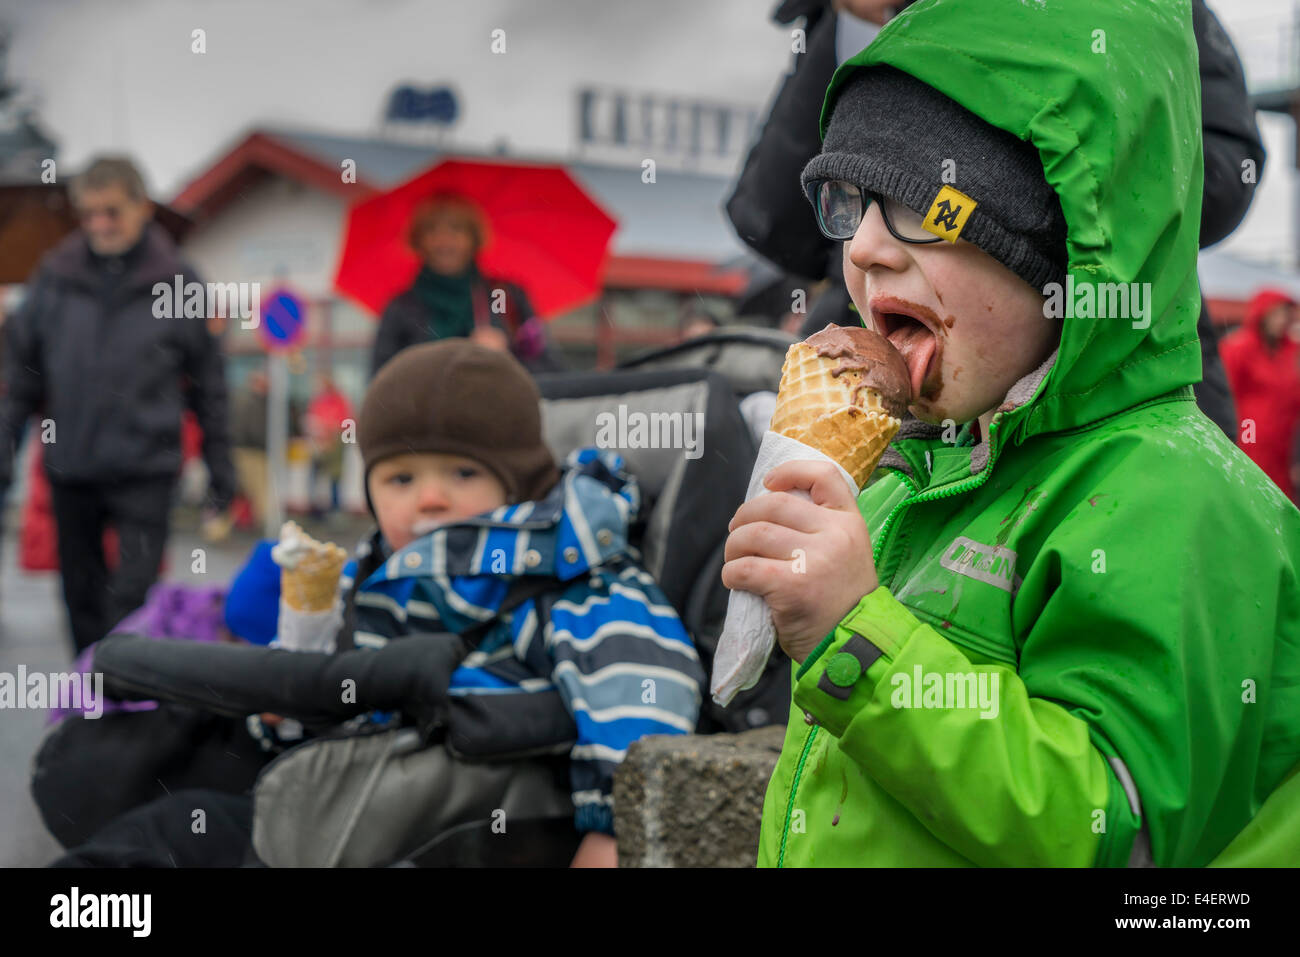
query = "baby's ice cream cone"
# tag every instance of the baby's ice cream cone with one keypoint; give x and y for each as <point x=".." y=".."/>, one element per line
<point x="842" y="392"/>
<point x="309" y="570"/>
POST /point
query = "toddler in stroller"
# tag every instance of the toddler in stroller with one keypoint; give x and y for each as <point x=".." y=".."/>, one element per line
<point x="532" y="641"/>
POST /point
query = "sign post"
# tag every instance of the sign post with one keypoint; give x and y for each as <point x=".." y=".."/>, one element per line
<point x="282" y="327"/>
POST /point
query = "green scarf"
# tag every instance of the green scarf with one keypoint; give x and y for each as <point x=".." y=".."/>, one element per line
<point x="447" y="301"/>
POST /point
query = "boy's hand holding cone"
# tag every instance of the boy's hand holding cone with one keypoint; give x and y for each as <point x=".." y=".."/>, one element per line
<point x="797" y="563"/>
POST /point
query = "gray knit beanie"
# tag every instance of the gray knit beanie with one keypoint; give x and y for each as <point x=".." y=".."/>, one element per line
<point x="892" y="134"/>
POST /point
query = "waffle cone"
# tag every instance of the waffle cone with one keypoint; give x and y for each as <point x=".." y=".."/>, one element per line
<point x="817" y="408"/>
<point x="311" y="585"/>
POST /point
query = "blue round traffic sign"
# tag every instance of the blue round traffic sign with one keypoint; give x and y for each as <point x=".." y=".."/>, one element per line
<point x="283" y="320"/>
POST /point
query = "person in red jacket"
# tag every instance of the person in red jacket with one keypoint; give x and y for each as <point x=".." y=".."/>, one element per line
<point x="1263" y="364"/>
<point x="327" y="417"/>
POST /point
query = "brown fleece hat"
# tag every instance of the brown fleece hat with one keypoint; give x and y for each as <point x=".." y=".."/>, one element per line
<point x="459" y="398"/>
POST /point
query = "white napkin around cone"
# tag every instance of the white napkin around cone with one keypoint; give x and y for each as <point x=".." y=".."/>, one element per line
<point x="308" y="631"/>
<point x="748" y="635"/>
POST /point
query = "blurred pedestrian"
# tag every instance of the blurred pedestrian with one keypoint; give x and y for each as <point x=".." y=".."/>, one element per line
<point x="248" y="443"/>
<point x="450" y="298"/>
<point x="327" y="415"/>
<point x="1263" y="364"/>
<point x="112" y="380"/>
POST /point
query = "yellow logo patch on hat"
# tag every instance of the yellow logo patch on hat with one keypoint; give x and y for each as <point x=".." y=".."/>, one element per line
<point x="948" y="213"/>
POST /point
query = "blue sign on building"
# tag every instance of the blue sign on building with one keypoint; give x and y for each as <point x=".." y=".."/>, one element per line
<point x="435" y="105"/>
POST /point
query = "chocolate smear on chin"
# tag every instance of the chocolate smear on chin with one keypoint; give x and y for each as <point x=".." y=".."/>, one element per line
<point x="873" y="357"/>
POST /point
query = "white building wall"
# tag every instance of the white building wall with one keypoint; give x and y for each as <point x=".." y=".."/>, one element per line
<point x="278" y="231"/>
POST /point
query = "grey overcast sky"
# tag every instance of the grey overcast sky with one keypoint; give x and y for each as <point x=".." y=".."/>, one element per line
<point x="120" y="74"/>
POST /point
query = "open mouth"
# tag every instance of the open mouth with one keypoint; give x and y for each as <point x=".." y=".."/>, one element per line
<point x="901" y="323"/>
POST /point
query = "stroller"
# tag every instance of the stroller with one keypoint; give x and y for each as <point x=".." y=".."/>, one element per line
<point x="689" y="500"/>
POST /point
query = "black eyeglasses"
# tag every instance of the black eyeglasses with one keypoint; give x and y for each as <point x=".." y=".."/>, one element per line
<point x="840" y="207"/>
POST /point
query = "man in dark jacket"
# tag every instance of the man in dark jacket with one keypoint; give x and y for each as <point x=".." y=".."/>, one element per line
<point x="771" y="215"/>
<point x="111" y="381"/>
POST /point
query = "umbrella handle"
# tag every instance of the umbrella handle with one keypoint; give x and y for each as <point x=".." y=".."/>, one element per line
<point x="482" y="310"/>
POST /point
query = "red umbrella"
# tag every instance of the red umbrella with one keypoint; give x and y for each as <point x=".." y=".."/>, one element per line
<point x="546" y="234"/>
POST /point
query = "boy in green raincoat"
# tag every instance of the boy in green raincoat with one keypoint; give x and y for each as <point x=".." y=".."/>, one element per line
<point x="1062" y="625"/>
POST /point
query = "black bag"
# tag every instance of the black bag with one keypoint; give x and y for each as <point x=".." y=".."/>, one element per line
<point x="132" y="758"/>
<point x="162" y="833"/>
<point x="365" y="795"/>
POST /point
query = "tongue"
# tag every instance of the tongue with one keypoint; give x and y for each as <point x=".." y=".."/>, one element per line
<point x="915" y="343"/>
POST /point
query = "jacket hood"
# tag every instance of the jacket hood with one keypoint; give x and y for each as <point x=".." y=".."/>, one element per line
<point x="1109" y="94"/>
<point x="1261" y="304"/>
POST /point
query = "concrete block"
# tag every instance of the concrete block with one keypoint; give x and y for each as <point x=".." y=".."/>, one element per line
<point x="694" y="800"/>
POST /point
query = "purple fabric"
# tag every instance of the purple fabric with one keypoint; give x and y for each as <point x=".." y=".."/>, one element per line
<point x="176" y="612"/>
<point x="530" y="339"/>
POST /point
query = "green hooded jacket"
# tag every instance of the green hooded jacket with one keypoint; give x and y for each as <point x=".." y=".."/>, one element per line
<point x="1088" y="627"/>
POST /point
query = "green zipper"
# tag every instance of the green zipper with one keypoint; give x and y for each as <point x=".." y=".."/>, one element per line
<point x="794" y="789"/>
<point x="946" y="492"/>
<point x="889" y="519"/>
<point x="877" y="549"/>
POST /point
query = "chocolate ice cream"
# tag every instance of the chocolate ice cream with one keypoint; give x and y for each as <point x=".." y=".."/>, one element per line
<point x="874" y="357"/>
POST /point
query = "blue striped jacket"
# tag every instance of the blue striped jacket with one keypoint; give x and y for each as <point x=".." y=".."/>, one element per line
<point x="607" y="640"/>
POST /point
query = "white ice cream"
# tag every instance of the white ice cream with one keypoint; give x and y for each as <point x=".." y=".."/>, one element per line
<point x="294" y="546"/>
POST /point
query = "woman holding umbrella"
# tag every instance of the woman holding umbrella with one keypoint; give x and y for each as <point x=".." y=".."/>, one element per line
<point x="450" y="297"/>
<point x="431" y="256"/>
